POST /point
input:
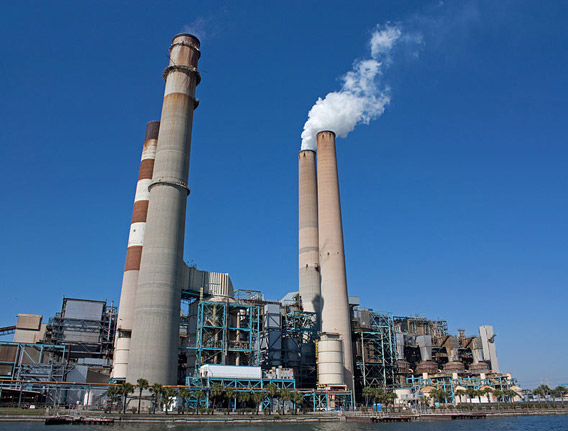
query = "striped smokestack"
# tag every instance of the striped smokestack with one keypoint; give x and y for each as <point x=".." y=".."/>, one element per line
<point x="335" y="315"/>
<point x="155" y="329"/>
<point x="308" y="273"/>
<point x="134" y="253"/>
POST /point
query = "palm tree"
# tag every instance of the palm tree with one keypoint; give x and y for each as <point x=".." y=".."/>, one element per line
<point x="184" y="394"/>
<point x="243" y="397"/>
<point x="471" y="394"/>
<point x="199" y="395"/>
<point x="459" y="393"/>
<point x="542" y="390"/>
<point x="169" y="395"/>
<point x="510" y="394"/>
<point x="367" y="392"/>
<point x="216" y="392"/>
<point x="498" y="394"/>
<point x="479" y="394"/>
<point x="390" y="397"/>
<point x="284" y="395"/>
<point x="439" y="395"/>
<point x="377" y="394"/>
<point x="272" y="390"/>
<point x="141" y="384"/>
<point x="487" y="392"/>
<point x="112" y="392"/>
<point x="230" y="395"/>
<point x="124" y="389"/>
<point x="258" y="397"/>
<point x="560" y="391"/>
<point x="157" y="389"/>
<point x="298" y="400"/>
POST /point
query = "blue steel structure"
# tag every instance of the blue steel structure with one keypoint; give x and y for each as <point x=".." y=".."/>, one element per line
<point x="299" y="333"/>
<point x="375" y="355"/>
<point x="328" y="400"/>
<point x="449" y="385"/>
<point x="28" y="361"/>
<point x="316" y="399"/>
<point x="226" y="331"/>
<point x="204" y="384"/>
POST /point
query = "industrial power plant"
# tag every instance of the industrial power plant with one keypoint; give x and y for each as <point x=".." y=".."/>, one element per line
<point x="180" y="326"/>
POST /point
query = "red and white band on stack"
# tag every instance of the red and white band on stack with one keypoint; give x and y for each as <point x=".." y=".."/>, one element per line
<point x="134" y="252"/>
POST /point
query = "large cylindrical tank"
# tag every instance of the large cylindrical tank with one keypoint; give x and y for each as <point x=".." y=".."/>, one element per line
<point x="329" y="350"/>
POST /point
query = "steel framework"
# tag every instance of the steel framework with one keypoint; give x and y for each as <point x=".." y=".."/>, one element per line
<point x="329" y="400"/>
<point x="91" y="338"/>
<point x="299" y="333"/>
<point x="376" y="351"/>
<point x="37" y="362"/>
<point x="227" y="334"/>
<point x="204" y="384"/>
<point x="23" y="364"/>
<point x="318" y="400"/>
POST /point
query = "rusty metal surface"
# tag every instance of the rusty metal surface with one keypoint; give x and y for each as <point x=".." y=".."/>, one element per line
<point x="152" y="130"/>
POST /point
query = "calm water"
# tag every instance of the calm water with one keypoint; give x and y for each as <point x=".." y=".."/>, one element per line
<point x="523" y="423"/>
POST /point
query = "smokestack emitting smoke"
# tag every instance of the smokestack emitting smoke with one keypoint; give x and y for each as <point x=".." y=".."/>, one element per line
<point x="134" y="252"/>
<point x="361" y="97"/>
<point x="335" y="314"/>
<point x="155" y="329"/>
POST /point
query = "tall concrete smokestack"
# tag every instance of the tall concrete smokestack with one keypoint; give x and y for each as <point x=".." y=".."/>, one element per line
<point x="155" y="330"/>
<point x="309" y="277"/>
<point x="335" y="315"/>
<point x="134" y="253"/>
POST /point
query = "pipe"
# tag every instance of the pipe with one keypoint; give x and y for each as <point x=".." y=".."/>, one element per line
<point x="134" y="253"/>
<point x="308" y="253"/>
<point x="335" y="314"/>
<point x="155" y="329"/>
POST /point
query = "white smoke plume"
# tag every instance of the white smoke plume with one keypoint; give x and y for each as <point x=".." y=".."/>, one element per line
<point x="361" y="98"/>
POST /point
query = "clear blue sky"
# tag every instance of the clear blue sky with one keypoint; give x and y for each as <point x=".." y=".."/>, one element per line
<point x="454" y="201"/>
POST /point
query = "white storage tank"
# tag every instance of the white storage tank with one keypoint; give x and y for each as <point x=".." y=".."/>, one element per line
<point x="230" y="371"/>
<point x="330" y="360"/>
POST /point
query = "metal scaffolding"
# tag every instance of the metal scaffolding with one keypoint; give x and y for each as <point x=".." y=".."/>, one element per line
<point x="299" y="333"/>
<point x="227" y="334"/>
<point x="23" y="364"/>
<point x="317" y="400"/>
<point x="375" y="354"/>
<point x="37" y="362"/>
<point x="87" y="328"/>
<point x="204" y="385"/>
<point x="328" y="400"/>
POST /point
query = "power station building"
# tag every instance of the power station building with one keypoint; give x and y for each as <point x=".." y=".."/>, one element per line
<point x="178" y="325"/>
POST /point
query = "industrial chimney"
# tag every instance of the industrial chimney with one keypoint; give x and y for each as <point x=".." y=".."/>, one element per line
<point x="308" y="253"/>
<point x="155" y="329"/>
<point x="335" y="315"/>
<point x="134" y="253"/>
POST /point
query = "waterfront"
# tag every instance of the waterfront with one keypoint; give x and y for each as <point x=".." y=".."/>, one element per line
<point x="514" y="423"/>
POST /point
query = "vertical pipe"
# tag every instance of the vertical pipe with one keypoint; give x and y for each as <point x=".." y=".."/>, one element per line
<point x="308" y="253"/>
<point x="155" y="330"/>
<point x="134" y="253"/>
<point x="335" y="315"/>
